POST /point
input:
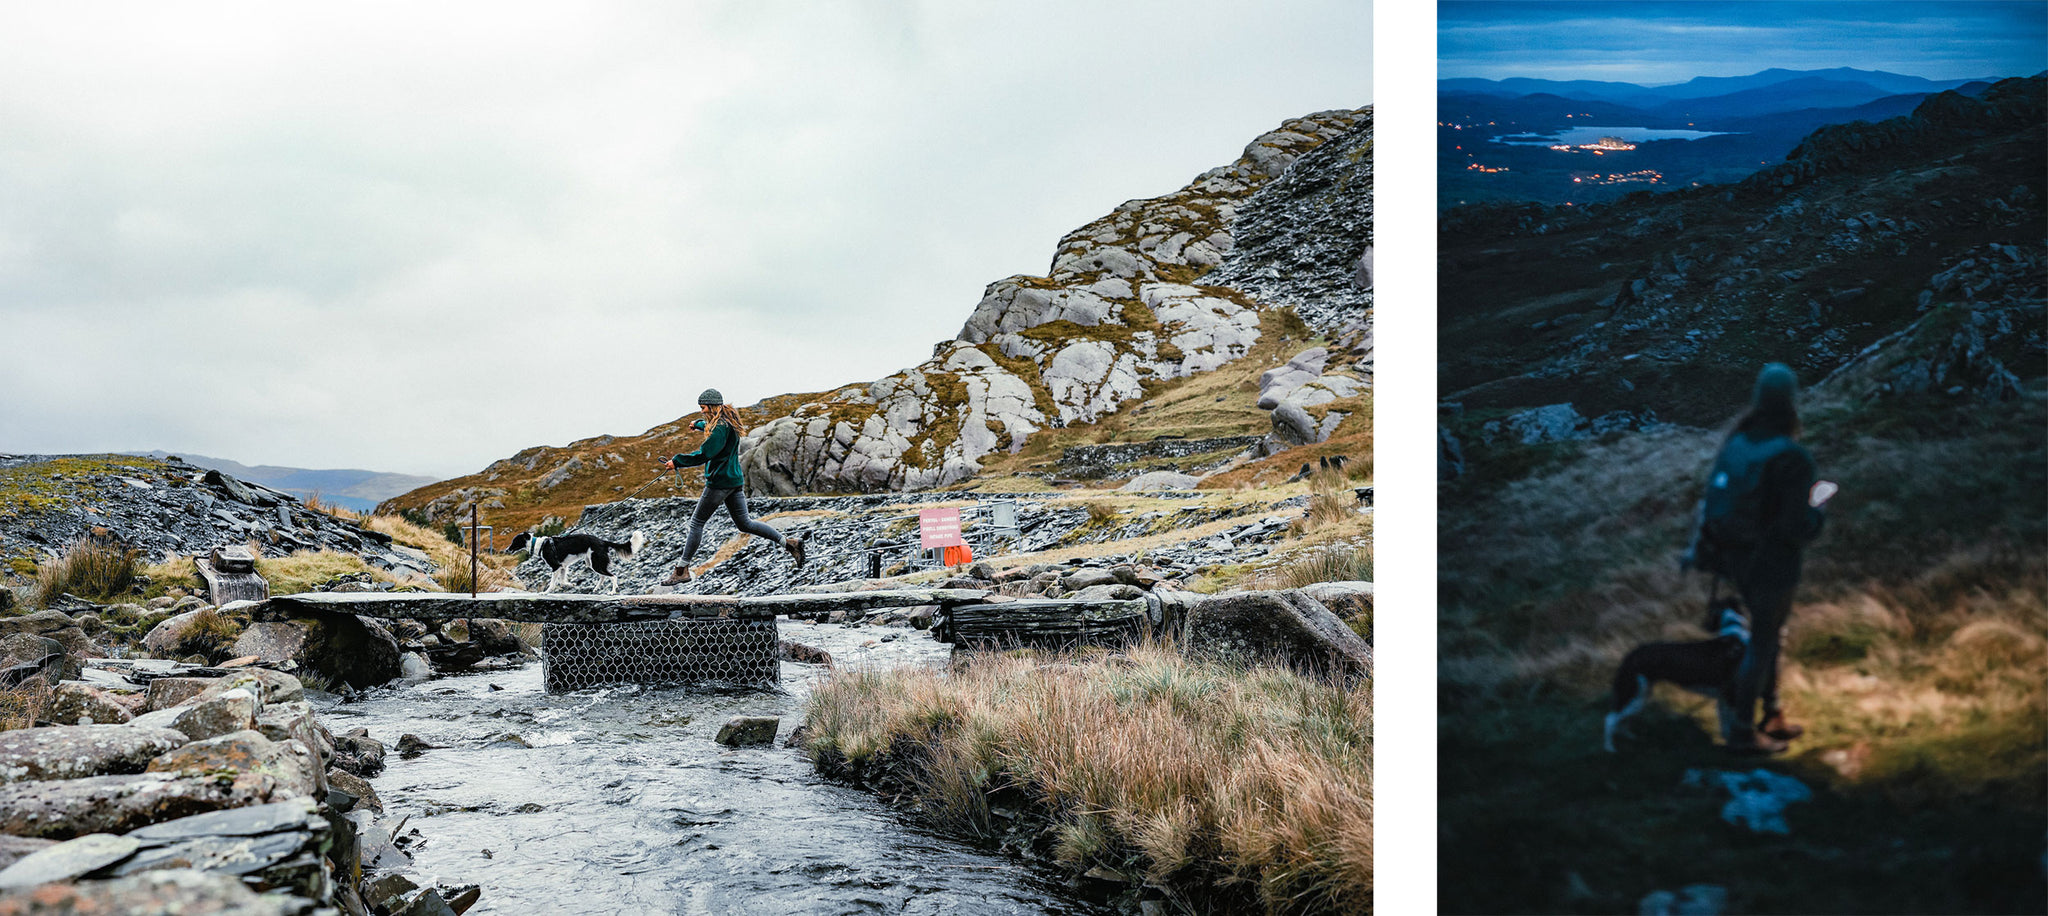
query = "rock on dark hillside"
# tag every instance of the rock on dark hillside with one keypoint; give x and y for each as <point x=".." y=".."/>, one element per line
<point x="1913" y="245"/>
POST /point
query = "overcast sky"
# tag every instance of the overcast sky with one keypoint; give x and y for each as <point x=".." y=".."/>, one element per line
<point x="1653" y="43"/>
<point x="418" y="237"/>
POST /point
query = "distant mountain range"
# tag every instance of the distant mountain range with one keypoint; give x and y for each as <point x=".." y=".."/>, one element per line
<point x="1871" y="84"/>
<point x="1757" y="119"/>
<point x="350" y="488"/>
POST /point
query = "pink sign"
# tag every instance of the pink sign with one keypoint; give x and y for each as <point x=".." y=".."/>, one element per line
<point x="939" y="528"/>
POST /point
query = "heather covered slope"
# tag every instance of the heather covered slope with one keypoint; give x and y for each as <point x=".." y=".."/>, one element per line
<point x="1590" y="362"/>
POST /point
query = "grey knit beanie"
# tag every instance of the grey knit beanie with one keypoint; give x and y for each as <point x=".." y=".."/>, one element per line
<point x="713" y="398"/>
<point x="1775" y="387"/>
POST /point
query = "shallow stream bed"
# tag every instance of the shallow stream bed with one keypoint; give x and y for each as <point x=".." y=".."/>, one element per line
<point x="619" y="801"/>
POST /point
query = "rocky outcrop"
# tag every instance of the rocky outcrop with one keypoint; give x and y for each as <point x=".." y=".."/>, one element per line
<point x="153" y="822"/>
<point x="1126" y="303"/>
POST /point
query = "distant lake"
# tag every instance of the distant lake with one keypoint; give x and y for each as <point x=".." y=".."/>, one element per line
<point x="1573" y="136"/>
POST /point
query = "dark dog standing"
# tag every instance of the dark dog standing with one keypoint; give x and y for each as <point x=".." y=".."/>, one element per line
<point x="1704" y="667"/>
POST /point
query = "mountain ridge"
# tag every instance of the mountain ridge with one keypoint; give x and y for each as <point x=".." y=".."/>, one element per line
<point x="1126" y="310"/>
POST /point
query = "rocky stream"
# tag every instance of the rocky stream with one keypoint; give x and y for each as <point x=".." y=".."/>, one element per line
<point x="618" y="800"/>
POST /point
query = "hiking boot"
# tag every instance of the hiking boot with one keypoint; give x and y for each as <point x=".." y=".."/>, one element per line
<point x="677" y="576"/>
<point x="1751" y="744"/>
<point x="1776" y="727"/>
<point x="796" y="549"/>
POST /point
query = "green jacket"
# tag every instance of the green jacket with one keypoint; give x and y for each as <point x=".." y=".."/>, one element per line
<point x="720" y="456"/>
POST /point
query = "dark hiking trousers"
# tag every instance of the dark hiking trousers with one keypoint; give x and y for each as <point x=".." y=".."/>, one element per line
<point x="735" y="503"/>
<point x="1768" y="596"/>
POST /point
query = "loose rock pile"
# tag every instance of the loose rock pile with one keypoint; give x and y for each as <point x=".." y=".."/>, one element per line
<point x="844" y="535"/>
<point x="170" y="508"/>
<point x="169" y="788"/>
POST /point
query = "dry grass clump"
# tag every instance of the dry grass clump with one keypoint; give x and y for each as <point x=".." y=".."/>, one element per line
<point x="1334" y="563"/>
<point x="304" y="570"/>
<point x="456" y="577"/>
<point x="90" y="569"/>
<point x="210" y="635"/>
<point x="23" y="706"/>
<point x="1101" y="512"/>
<point x="1201" y="779"/>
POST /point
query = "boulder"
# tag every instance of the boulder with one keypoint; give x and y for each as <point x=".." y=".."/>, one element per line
<point x="358" y="754"/>
<point x="166" y="639"/>
<point x="267" y="685"/>
<point x="1285" y="626"/>
<point x="212" y="717"/>
<point x="358" y="789"/>
<point x="1162" y="480"/>
<point x="278" y="770"/>
<point x="1086" y="578"/>
<point x="181" y="890"/>
<point x="340" y="647"/>
<point x="495" y="637"/>
<point x="1345" y="599"/>
<point x="66" y="808"/>
<point x="76" y="751"/>
<point x="26" y="655"/>
<point x="741" y="731"/>
<point x="53" y="625"/>
<point x="166" y="692"/>
<point x="1293" y="426"/>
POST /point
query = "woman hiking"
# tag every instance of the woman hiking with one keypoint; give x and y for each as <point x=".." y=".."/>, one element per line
<point x="1761" y="509"/>
<point x="724" y="485"/>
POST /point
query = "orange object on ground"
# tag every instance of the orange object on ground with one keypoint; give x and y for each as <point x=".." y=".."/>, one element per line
<point x="958" y="555"/>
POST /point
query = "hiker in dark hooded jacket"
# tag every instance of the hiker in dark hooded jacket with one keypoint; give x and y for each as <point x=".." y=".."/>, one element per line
<point x="1761" y="546"/>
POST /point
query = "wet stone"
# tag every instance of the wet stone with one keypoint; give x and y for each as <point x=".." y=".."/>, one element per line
<point x="249" y="821"/>
<point x="742" y="731"/>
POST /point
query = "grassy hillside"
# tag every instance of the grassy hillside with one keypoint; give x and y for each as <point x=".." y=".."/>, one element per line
<point x="1916" y="644"/>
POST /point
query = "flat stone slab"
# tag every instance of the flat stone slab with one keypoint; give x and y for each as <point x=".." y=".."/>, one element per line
<point x="572" y="608"/>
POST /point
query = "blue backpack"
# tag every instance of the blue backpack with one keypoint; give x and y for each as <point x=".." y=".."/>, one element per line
<point x="1729" y="520"/>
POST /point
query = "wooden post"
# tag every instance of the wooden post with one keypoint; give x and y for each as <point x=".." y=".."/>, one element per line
<point x="474" y="533"/>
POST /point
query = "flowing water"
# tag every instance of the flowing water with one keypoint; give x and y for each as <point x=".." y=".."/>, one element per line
<point x="619" y="801"/>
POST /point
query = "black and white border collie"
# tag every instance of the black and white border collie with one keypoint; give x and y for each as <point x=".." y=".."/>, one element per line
<point x="560" y="549"/>
<point x="1704" y="667"/>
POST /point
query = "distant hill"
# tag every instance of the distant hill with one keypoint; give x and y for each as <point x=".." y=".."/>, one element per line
<point x="350" y="488"/>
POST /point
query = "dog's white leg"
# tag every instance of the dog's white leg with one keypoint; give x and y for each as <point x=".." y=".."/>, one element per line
<point x="1617" y="718"/>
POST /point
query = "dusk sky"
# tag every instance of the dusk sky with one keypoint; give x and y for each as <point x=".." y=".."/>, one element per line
<point x="1661" y="43"/>
<point x="419" y="237"/>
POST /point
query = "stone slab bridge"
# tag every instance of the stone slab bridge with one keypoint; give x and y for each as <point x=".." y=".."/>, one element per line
<point x="663" y="640"/>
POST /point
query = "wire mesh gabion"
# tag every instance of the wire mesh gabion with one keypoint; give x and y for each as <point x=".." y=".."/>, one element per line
<point x="709" y="651"/>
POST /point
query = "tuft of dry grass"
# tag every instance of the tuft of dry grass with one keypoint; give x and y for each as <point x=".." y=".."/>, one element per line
<point x="210" y="634"/>
<point x="23" y="706"/>
<point x="90" y="569"/>
<point x="306" y="569"/>
<point x="456" y="577"/>
<point x="1334" y="563"/>
<point x="1207" y="781"/>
